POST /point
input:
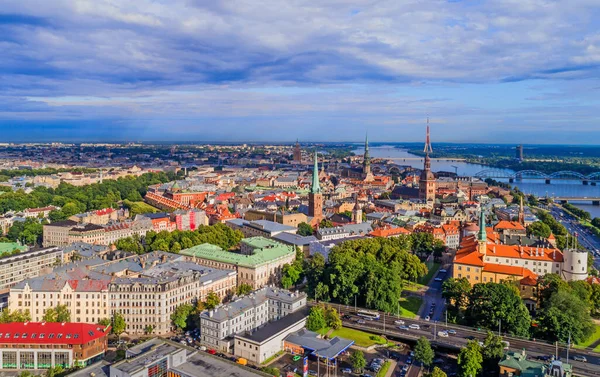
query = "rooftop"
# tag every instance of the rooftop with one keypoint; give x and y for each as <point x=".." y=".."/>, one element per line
<point x="329" y="348"/>
<point x="265" y="251"/>
<point x="271" y="329"/>
<point x="50" y="333"/>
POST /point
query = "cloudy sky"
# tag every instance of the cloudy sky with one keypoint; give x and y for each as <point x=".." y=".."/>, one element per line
<point x="483" y="71"/>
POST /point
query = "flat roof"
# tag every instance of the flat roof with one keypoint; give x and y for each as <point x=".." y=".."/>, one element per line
<point x="275" y="327"/>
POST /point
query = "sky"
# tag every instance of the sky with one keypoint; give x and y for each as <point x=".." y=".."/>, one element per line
<point x="510" y="71"/>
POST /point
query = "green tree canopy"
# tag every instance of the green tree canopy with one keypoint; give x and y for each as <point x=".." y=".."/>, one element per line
<point x="244" y="289"/>
<point x="181" y="316"/>
<point x="539" y="229"/>
<point x="118" y="324"/>
<point x="423" y="351"/>
<point x="358" y="361"/>
<point x="332" y="318"/>
<point x="562" y="315"/>
<point x="316" y="319"/>
<point x="212" y="300"/>
<point x="491" y="303"/>
<point x="305" y="229"/>
<point x="470" y="360"/>
<point x="437" y="372"/>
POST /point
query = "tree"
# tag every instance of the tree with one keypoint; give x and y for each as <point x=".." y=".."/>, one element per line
<point x="321" y="292"/>
<point x="104" y="322"/>
<point x="290" y="274"/>
<point x="212" y="300"/>
<point x="314" y="269"/>
<point x="548" y="285"/>
<point x="437" y="372"/>
<point x="316" y="319"/>
<point x="456" y="292"/>
<point x="492" y="350"/>
<point x="181" y="316"/>
<point x="59" y="314"/>
<point x="54" y="371"/>
<point x="326" y="224"/>
<point x="148" y="330"/>
<point x="272" y="371"/>
<point x="423" y="351"/>
<point x="470" y="359"/>
<point x="357" y="358"/>
<point x="244" y="289"/>
<point x="26" y="373"/>
<point x="539" y="229"/>
<point x="492" y="302"/>
<point x="305" y="229"/>
<point x="564" y="315"/>
<point x="332" y="318"/>
<point x="6" y="316"/>
<point x="118" y="324"/>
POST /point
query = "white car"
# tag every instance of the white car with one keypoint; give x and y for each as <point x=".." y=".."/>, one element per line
<point x="442" y="334"/>
<point x="442" y="271"/>
<point x="399" y="322"/>
<point x="414" y="326"/>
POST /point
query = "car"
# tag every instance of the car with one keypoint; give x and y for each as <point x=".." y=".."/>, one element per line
<point x="211" y="351"/>
<point x="442" y="271"/>
<point x="580" y="358"/>
<point x="361" y="322"/>
<point x="365" y="375"/>
<point x="346" y="371"/>
<point x="378" y="361"/>
<point x="412" y="354"/>
<point x="296" y="357"/>
<point x="544" y="357"/>
<point x="399" y="322"/>
<point x="409" y="360"/>
<point x="451" y="332"/>
<point x="403" y="327"/>
<point x="442" y="334"/>
<point x="438" y="361"/>
<point x="414" y="326"/>
<point x="312" y="373"/>
<point x="346" y="316"/>
<point x="405" y="367"/>
<point x="438" y="279"/>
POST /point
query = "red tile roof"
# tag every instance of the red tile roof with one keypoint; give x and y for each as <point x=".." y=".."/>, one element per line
<point x="50" y="333"/>
<point x="512" y="225"/>
<point x="389" y="232"/>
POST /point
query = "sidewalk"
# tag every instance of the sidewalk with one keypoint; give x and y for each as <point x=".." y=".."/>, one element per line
<point x="392" y="368"/>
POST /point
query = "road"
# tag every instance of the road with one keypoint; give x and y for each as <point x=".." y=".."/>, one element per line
<point x="584" y="236"/>
<point x="463" y="335"/>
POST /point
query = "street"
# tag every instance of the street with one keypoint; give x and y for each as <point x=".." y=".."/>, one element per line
<point x="584" y="236"/>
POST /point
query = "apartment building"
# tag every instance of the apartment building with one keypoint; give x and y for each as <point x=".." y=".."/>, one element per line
<point x="258" y="263"/>
<point x="27" y="264"/>
<point x="145" y="289"/>
<point x="247" y="314"/>
<point x="260" y="228"/>
<point x="63" y="233"/>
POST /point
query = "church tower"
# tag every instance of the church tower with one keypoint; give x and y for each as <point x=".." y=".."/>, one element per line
<point x="357" y="211"/>
<point x="315" y="197"/>
<point x="427" y="179"/>
<point x="481" y="235"/>
<point x="522" y="213"/>
<point x="367" y="175"/>
<point x="297" y="153"/>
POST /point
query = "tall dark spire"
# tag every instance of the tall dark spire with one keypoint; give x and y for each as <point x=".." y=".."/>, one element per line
<point x="316" y="187"/>
<point x="427" y="148"/>
<point x="366" y="157"/>
<point x="481" y="235"/>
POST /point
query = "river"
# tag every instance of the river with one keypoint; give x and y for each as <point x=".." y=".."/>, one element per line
<point x="528" y="186"/>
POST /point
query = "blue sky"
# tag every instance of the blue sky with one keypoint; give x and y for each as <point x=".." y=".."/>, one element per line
<point x="510" y="71"/>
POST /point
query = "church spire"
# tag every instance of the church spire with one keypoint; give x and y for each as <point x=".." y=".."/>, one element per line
<point x="427" y="149"/>
<point x="366" y="157"/>
<point x="481" y="235"/>
<point x="521" y="213"/>
<point x="315" y="188"/>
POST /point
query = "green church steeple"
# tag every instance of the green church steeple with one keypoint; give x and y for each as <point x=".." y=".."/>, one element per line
<point x="481" y="235"/>
<point x="367" y="158"/>
<point x="315" y="188"/>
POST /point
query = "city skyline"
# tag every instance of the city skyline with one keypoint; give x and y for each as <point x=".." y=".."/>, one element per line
<point x="492" y="72"/>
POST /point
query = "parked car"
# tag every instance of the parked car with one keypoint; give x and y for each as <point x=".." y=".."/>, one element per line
<point x="409" y="360"/>
<point x="443" y="271"/>
<point x="211" y="351"/>
<point x="346" y="370"/>
<point x="580" y="358"/>
<point x="312" y="373"/>
<point x="405" y="368"/>
<point x="438" y="279"/>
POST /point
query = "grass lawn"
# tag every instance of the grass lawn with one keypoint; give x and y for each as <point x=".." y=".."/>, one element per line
<point x="361" y="338"/>
<point x="409" y="306"/>
<point x="383" y="371"/>
<point x="432" y="269"/>
<point x="595" y="336"/>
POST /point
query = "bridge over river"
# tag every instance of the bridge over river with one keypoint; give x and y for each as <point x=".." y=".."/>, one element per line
<point x="565" y="175"/>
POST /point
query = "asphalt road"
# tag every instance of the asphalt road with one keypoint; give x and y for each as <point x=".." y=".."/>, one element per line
<point x="585" y="237"/>
<point x="463" y="335"/>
